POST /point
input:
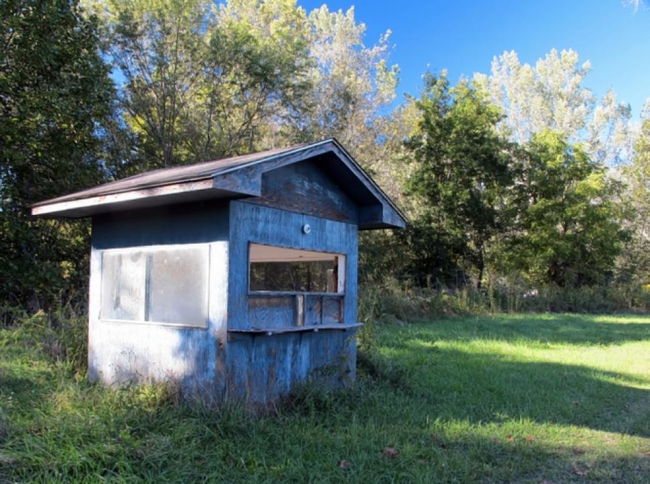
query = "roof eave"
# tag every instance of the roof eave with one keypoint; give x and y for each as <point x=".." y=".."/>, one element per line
<point x="145" y="198"/>
<point x="236" y="182"/>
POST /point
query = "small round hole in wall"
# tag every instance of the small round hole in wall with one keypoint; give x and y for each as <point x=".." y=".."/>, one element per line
<point x="306" y="229"/>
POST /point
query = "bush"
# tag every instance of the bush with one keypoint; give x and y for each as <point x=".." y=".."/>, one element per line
<point x="394" y="302"/>
<point x="62" y="334"/>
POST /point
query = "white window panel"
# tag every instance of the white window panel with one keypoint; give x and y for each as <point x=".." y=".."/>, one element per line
<point x="123" y="285"/>
<point x="167" y="285"/>
<point x="178" y="286"/>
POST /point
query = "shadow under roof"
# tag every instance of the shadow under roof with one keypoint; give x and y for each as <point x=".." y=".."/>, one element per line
<point x="234" y="177"/>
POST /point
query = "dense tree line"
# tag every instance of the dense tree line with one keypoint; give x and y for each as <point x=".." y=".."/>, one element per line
<point x="520" y="171"/>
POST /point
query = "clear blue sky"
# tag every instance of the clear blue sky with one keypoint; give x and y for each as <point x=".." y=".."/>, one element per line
<point x="464" y="36"/>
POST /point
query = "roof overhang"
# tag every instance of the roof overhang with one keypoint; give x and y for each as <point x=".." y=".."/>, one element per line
<point x="225" y="179"/>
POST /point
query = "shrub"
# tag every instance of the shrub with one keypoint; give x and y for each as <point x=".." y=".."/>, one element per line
<point x="401" y="302"/>
<point x="62" y="334"/>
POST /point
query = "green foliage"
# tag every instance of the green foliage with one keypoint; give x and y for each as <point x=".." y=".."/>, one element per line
<point x="551" y="95"/>
<point x="568" y="231"/>
<point x="202" y="82"/>
<point x="396" y="302"/>
<point x="634" y="264"/>
<point x="351" y="83"/>
<point x="61" y="334"/>
<point x="476" y="399"/>
<point x="54" y="93"/>
<point x="198" y="80"/>
<point x="462" y="175"/>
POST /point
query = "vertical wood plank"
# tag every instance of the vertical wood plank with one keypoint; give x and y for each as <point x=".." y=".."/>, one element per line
<point x="300" y="310"/>
<point x="264" y="367"/>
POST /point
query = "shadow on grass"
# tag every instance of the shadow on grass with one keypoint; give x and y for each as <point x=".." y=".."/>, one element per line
<point x="191" y="444"/>
<point x="99" y="435"/>
<point x="486" y="388"/>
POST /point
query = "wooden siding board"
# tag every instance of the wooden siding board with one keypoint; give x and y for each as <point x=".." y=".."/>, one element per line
<point x="235" y="178"/>
<point x="296" y="329"/>
<point x="313" y="311"/>
<point x="261" y="368"/>
<point x="271" y="312"/>
<point x="179" y="224"/>
<point x="331" y="310"/>
<point x="257" y="224"/>
<point x="247" y="181"/>
<point x="351" y="178"/>
<point x="305" y="188"/>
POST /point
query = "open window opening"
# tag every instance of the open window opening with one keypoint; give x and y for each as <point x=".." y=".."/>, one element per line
<point x="157" y="285"/>
<point x="278" y="269"/>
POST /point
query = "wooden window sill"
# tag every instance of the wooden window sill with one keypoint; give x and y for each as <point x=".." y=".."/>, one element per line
<point x="295" y="329"/>
<point x="293" y="293"/>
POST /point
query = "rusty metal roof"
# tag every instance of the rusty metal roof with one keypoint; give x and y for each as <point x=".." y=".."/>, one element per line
<point x="173" y="175"/>
<point x="236" y="177"/>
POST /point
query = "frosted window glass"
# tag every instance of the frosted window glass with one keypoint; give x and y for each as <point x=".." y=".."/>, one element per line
<point x="178" y="286"/>
<point x="123" y="285"/>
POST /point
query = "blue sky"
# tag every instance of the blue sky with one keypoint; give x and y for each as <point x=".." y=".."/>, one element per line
<point x="464" y="36"/>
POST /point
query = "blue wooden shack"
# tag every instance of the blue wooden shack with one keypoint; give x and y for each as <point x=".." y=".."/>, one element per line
<point x="235" y="278"/>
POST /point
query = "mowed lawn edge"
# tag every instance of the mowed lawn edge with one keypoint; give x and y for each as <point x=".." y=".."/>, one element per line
<point x="519" y="398"/>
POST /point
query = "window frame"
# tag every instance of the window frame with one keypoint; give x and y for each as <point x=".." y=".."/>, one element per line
<point x="145" y="250"/>
<point x="341" y="273"/>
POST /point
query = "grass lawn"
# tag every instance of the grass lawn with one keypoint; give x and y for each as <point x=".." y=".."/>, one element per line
<point x="524" y="398"/>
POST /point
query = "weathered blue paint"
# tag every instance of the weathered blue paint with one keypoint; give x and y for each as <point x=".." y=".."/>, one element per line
<point x="125" y="351"/>
<point x="270" y="312"/>
<point x="260" y="368"/>
<point x="189" y="223"/>
<point x="306" y="188"/>
<point x="250" y="223"/>
<point x="252" y="366"/>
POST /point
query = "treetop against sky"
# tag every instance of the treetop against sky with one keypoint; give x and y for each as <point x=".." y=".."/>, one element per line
<point x="463" y="37"/>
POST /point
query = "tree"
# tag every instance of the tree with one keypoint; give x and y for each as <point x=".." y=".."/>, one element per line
<point x="351" y="82"/>
<point x="551" y="96"/>
<point x="568" y="231"/>
<point x="634" y="264"/>
<point x="462" y="173"/>
<point x="258" y="82"/>
<point x="199" y="81"/>
<point x="54" y="92"/>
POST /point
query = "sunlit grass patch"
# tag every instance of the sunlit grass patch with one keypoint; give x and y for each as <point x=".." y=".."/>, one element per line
<point x="522" y="398"/>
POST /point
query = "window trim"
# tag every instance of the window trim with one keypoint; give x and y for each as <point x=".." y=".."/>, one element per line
<point x="155" y="248"/>
<point x="341" y="273"/>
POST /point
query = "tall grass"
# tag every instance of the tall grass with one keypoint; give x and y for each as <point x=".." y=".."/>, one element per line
<point x="400" y="302"/>
<point x="521" y="398"/>
<point x="61" y="334"/>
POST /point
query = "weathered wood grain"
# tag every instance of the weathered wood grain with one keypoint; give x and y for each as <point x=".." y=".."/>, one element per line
<point x="314" y="328"/>
<point x="261" y="369"/>
<point x="193" y="358"/>
<point x="305" y="188"/>
<point x="281" y="178"/>
<point x="252" y="223"/>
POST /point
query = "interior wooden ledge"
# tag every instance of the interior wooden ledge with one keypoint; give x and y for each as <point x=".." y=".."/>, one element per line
<point x="295" y="329"/>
